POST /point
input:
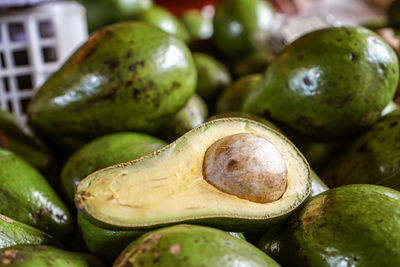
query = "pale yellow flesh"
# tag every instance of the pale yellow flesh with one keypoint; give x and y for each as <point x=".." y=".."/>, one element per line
<point x="169" y="186"/>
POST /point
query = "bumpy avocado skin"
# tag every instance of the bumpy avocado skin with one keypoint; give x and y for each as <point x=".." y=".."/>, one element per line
<point x="242" y="26"/>
<point x="102" y="152"/>
<point x="233" y="97"/>
<point x="161" y="18"/>
<point x="105" y="243"/>
<point x="26" y="196"/>
<point x="46" y="256"/>
<point x="190" y="116"/>
<point x="127" y="76"/>
<point x="354" y="225"/>
<point x="329" y="83"/>
<point x="14" y="233"/>
<point x="373" y="156"/>
<point x="189" y="245"/>
<point x="213" y="78"/>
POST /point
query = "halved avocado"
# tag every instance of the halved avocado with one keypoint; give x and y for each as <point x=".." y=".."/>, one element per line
<point x="182" y="182"/>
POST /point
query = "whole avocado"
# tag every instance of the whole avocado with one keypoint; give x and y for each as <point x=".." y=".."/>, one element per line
<point x="127" y="76"/>
<point x="353" y="225"/>
<point x="329" y="83"/>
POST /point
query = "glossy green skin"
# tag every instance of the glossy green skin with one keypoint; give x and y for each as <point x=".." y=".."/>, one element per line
<point x="46" y="256"/>
<point x="233" y="97"/>
<point x="14" y="233"/>
<point x="16" y="136"/>
<point x="104" y="243"/>
<point x="254" y="63"/>
<point x="198" y="25"/>
<point x="127" y="76"/>
<point x="26" y="196"/>
<point x="213" y="78"/>
<point x="392" y="106"/>
<point x="373" y="156"/>
<point x="329" y="83"/>
<point x="189" y="245"/>
<point x="355" y="225"/>
<point x="317" y="185"/>
<point x="102" y="152"/>
<point x="161" y="18"/>
<point x="242" y="26"/>
<point x="190" y="116"/>
<point x="104" y="12"/>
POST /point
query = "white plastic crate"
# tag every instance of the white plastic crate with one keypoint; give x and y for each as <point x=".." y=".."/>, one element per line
<point x="34" y="42"/>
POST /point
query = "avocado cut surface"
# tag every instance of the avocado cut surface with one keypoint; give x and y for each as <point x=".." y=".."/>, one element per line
<point x="168" y="186"/>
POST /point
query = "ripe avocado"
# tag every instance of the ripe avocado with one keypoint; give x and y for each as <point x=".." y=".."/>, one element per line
<point x="353" y="225"/>
<point x="329" y="83"/>
<point x="191" y="245"/>
<point x="127" y="76"/>
<point x="186" y="181"/>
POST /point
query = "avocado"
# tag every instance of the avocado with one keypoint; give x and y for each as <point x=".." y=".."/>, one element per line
<point x="190" y="245"/>
<point x="353" y="225"/>
<point x="104" y="243"/>
<point x="254" y="63"/>
<point x="373" y="156"/>
<point x="99" y="15"/>
<point x="213" y="78"/>
<point x="233" y="97"/>
<point x="392" y="106"/>
<point x="198" y="24"/>
<point x="46" y="256"/>
<point x="102" y="152"/>
<point x="127" y="76"/>
<point x="317" y="185"/>
<point x="161" y="18"/>
<point x="14" y="233"/>
<point x="217" y="174"/>
<point x="190" y="116"/>
<point x="26" y="196"/>
<point x="242" y="26"/>
<point x="18" y="137"/>
<point x="329" y="83"/>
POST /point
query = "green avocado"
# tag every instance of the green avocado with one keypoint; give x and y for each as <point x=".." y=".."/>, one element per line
<point x="161" y="18"/>
<point x="190" y="245"/>
<point x="217" y="174"/>
<point x="353" y="225"/>
<point x="329" y="83"/>
<point x="198" y="24"/>
<point x="317" y="185"/>
<point x="45" y="256"/>
<point x="213" y="78"/>
<point x="233" y="97"/>
<point x="14" y="233"/>
<point x="102" y="152"/>
<point x="104" y="12"/>
<point x="18" y="137"/>
<point x="190" y="116"/>
<point x="26" y="196"/>
<point x="127" y="76"/>
<point x="105" y="243"/>
<point x="256" y="62"/>
<point x="392" y="106"/>
<point x="242" y="26"/>
<point x="373" y="156"/>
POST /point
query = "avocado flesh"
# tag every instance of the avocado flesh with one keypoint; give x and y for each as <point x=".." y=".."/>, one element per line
<point x="167" y="186"/>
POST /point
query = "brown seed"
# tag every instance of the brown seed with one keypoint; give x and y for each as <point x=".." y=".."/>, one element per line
<point x="247" y="166"/>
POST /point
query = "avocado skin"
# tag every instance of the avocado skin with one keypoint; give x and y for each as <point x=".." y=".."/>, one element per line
<point x="104" y="243"/>
<point x="18" y="137"/>
<point x="189" y="245"/>
<point x="198" y="25"/>
<point x="102" y="152"/>
<point x="213" y="78"/>
<point x="371" y="157"/>
<point x="233" y="97"/>
<point x="26" y="196"/>
<point x="127" y="76"/>
<point x="14" y="233"/>
<point x="353" y="225"/>
<point x="161" y="18"/>
<point x="241" y="26"/>
<point x="46" y="256"/>
<point x="329" y="83"/>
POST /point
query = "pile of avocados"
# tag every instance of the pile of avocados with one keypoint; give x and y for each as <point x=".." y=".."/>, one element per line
<point x="183" y="140"/>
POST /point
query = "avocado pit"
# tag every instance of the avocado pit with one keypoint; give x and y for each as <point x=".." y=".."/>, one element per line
<point x="247" y="166"/>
